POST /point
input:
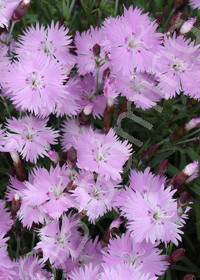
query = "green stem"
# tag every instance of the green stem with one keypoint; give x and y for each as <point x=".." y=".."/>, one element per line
<point x="116" y="7"/>
<point x="10" y="33"/>
<point x="96" y="80"/>
<point x="18" y="247"/>
<point x="33" y="240"/>
<point x="6" y="105"/>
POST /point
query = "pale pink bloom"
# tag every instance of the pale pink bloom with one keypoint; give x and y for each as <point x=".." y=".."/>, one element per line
<point x="87" y="95"/>
<point x="30" y="136"/>
<point x="85" y="43"/>
<point x="47" y="190"/>
<point x="104" y="154"/>
<point x="35" y="83"/>
<point x="71" y="132"/>
<point x="192" y="124"/>
<point x="30" y="267"/>
<point x="139" y="88"/>
<point x="87" y="272"/>
<point x="61" y="240"/>
<point x="7" y="8"/>
<point x="133" y="41"/>
<point x="5" y="219"/>
<point x="95" y="196"/>
<point x="52" y="41"/>
<point x="177" y="67"/>
<point x="195" y="3"/>
<point x="123" y="271"/>
<point x="152" y="215"/>
<point x="142" y="255"/>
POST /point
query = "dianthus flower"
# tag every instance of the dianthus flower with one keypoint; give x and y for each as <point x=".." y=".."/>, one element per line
<point x="151" y="212"/>
<point x="195" y="3"/>
<point x="88" y="96"/>
<point x="6" y="266"/>
<point x="94" y="196"/>
<point x="104" y="154"/>
<point x="139" y="88"/>
<point x="177" y="67"/>
<point x="35" y="83"/>
<point x="71" y="131"/>
<point x="31" y="268"/>
<point x="48" y="190"/>
<point x="87" y="272"/>
<point x="61" y="241"/>
<point x="53" y="41"/>
<point x="141" y="255"/>
<point x="5" y="219"/>
<point x="30" y="136"/>
<point x="7" y="8"/>
<point x="132" y="38"/>
<point x="93" y="51"/>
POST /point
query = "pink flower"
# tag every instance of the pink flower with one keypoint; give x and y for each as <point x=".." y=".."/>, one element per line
<point x="88" y="58"/>
<point x="87" y="272"/>
<point x="141" y="255"/>
<point x="7" y="8"/>
<point x="53" y="41"/>
<point x="87" y="95"/>
<point x="35" y="83"/>
<point x="152" y="215"/>
<point x="177" y="67"/>
<point x="132" y="38"/>
<point x="31" y="268"/>
<point x="110" y="90"/>
<point x="47" y="190"/>
<point x="123" y="271"/>
<point x="61" y="240"/>
<point x="30" y="136"/>
<point x="103" y="154"/>
<point x="94" y="196"/>
<point x="139" y="88"/>
<point x="71" y="131"/>
<point x="195" y="3"/>
<point x="5" y="218"/>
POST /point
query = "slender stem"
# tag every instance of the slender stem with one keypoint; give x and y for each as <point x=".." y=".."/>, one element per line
<point x="96" y="79"/>
<point x="6" y="105"/>
<point x="10" y="32"/>
<point x="33" y="240"/>
<point x="18" y="247"/>
<point x="116" y="7"/>
<point x="70" y="8"/>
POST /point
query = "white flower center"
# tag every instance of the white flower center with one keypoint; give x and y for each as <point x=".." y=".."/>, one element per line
<point x="35" y="80"/>
<point x="177" y="65"/>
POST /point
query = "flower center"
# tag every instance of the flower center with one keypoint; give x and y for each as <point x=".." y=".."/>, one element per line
<point x="177" y="65"/>
<point x="35" y="80"/>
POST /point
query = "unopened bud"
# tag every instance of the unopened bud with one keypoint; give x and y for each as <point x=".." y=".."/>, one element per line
<point x="111" y="231"/>
<point x="162" y="168"/>
<point x="182" y="202"/>
<point x="189" y="277"/>
<point x="71" y="158"/>
<point x="187" y="26"/>
<point x="85" y="114"/>
<point x="192" y="124"/>
<point x="20" y="11"/>
<point x="191" y="171"/>
<point x="53" y="155"/>
<point x="149" y="153"/>
<point x="88" y="109"/>
<point x="96" y="50"/>
<point x="16" y="203"/>
<point x="177" y="255"/>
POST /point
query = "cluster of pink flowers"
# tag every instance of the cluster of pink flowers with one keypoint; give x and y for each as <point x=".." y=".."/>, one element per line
<point x="52" y="201"/>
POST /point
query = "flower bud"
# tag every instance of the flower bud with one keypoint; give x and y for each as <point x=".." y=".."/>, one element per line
<point x="71" y="158"/>
<point x="20" y="11"/>
<point x="177" y="255"/>
<point x="187" y="26"/>
<point x="189" y="277"/>
<point x="149" y="153"/>
<point x="16" y="203"/>
<point x="162" y="168"/>
<point x="53" y="155"/>
<point x="111" y="231"/>
<point x="96" y="50"/>
<point x="192" y="124"/>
